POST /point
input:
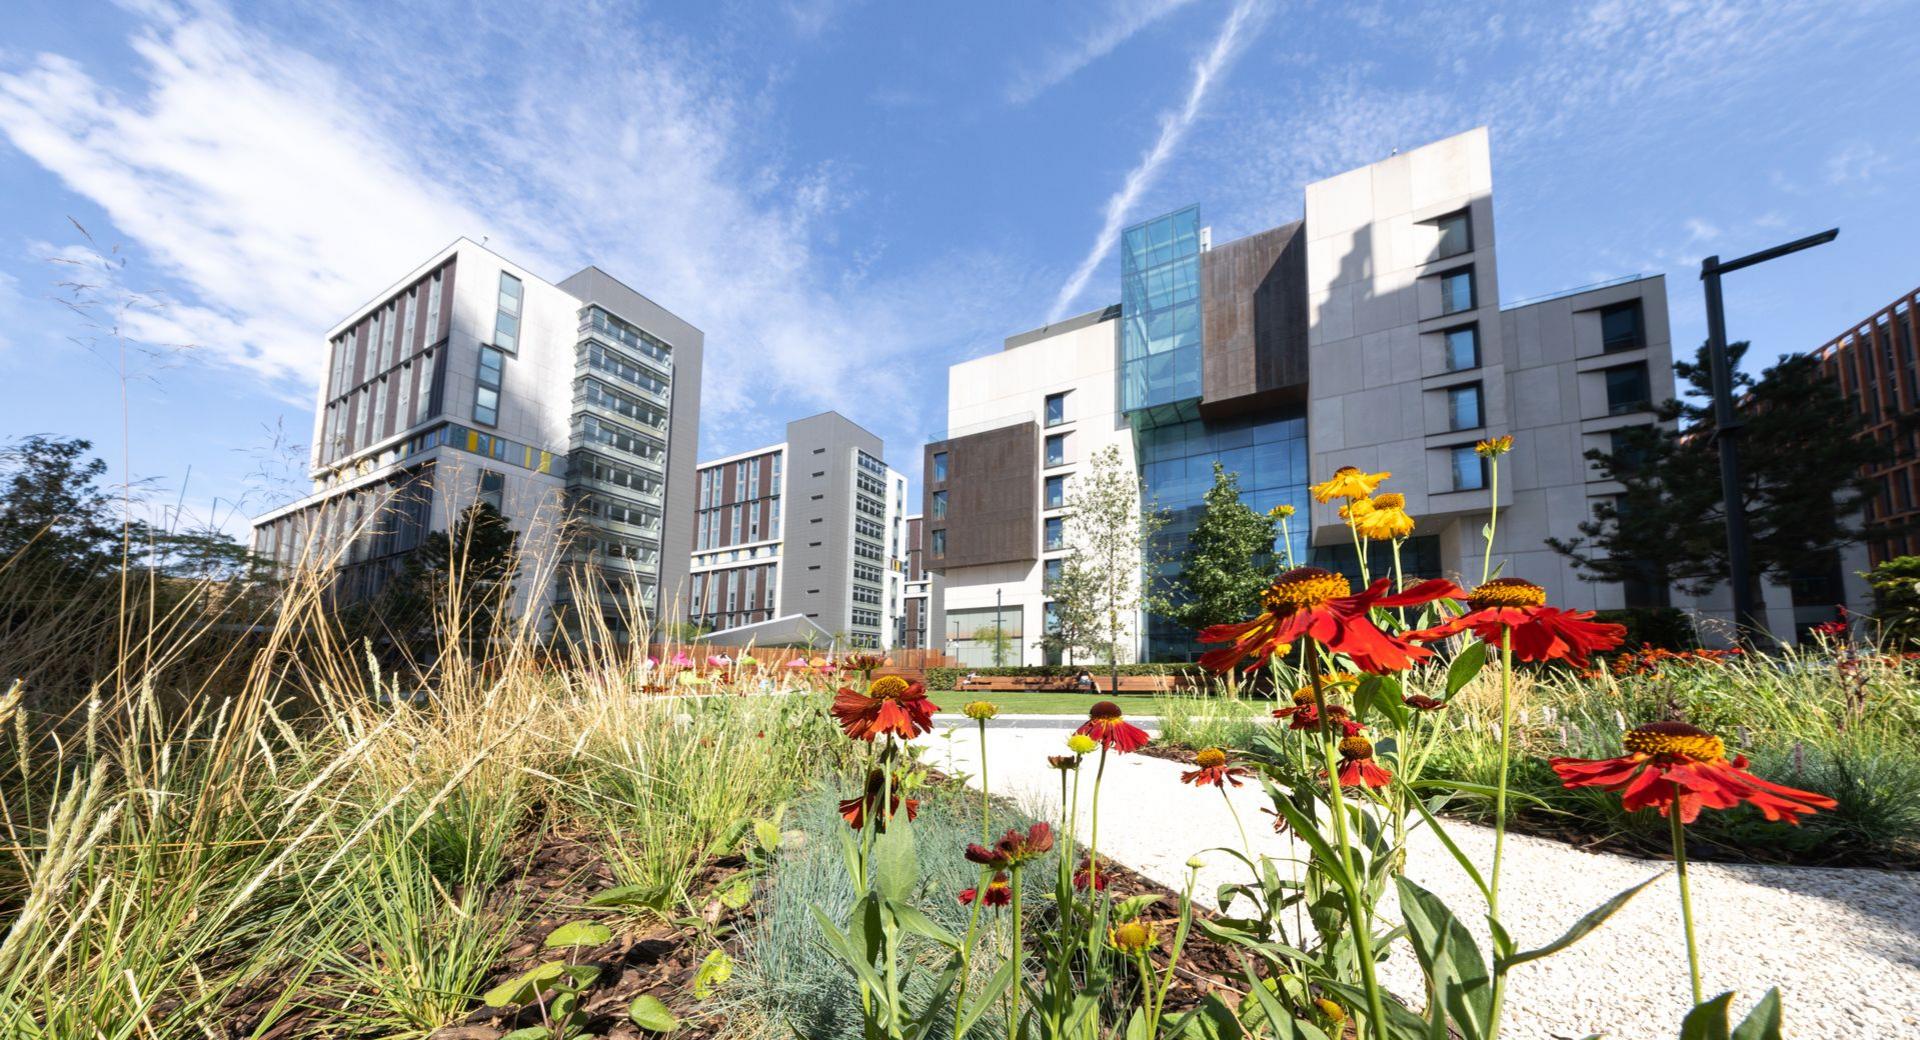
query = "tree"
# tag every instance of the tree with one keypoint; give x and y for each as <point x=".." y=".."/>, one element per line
<point x="995" y="636"/>
<point x="1109" y="554"/>
<point x="1229" y="558"/>
<point x="1802" y="454"/>
<point x="1073" y="626"/>
<point x="55" y="521"/>
<point x="457" y="581"/>
<point x="1896" y="601"/>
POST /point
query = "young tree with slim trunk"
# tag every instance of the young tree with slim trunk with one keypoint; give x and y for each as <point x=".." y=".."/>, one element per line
<point x="1109" y="555"/>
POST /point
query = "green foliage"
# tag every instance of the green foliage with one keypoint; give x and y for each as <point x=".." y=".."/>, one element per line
<point x="1229" y="558"/>
<point x="1103" y="588"/>
<point x="54" y="517"/>
<point x="456" y="584"/>
<point x="1801" y="452"/>
<point x="1896" y="601"/>
<point x="1665" y="628"/>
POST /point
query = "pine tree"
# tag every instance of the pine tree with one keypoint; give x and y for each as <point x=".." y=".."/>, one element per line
<point x="1229" y="558"/>
<point x="1802" y="454"/>
<point x="456" y="582"/>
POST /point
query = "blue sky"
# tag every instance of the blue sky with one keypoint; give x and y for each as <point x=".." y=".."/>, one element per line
<point x="848" y="197"/>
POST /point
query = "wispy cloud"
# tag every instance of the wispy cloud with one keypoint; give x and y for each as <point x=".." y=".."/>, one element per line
<point x="282" y="187"/>
<point x="1241" y="22"/>
<point x="1113" y="28"/>
<point x="1857" y="162"/>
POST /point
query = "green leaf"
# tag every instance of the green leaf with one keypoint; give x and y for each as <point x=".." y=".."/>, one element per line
<point x="986" y="998"/>
<point x="909" y="917"/>
<point x="736" y="893"/>
<point x="1459" y="855"/>
<point x="1763" y="1022"/>
<point x="1129" y="908"/>
<point x="731" y="836"/>
<point x="575" y="934"/>
<point x="1447" y="952"/>
<point x="1466" y="664"/>
<point x="896" y="866"/>
<point x="530" y="1033"/>
<point x="714" y="972"/>
<point x="625" y="895"/>
<point x="767" y="834"/>
<point x="525" y="987"/>
<point x="1708" y="1021"/>
<point x="1380" y="693"/>
<point x="648" y="1013"/>
<point x="1593" y="918"/>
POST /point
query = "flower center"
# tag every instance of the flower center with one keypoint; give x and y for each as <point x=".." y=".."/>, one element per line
<point x="1105" y="711"/>
<point x="1390" y="500"/>
<point x="1677" y="739"/>
<point x="1507" y="592"/>
<point x="1303" y="696"/>
<point x="1356" y="747"/>
<point x="1304" y="588"/>
<point x="888" y="687"/>
<point x="1210" y="758"/>
<point x="1132" y="936"/>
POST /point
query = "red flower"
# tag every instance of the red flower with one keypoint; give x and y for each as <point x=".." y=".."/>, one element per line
<point x="1357" y="767"/>
<point x="1422" y="702"/>
<point x="890" y="705"/>
<point x="864" y="662"/>
<point x="855" y="810"/>
<point x="1214" y="770"/>
<point x="1107" y="724"/>
<point x="999" y="892"/>
<point x="1013" y="848"/>
<point x="1314" y="603"/>
<point x="1087" y="874"/>
<point x="1540" y="632"/>
<point x="1672" y="761"/>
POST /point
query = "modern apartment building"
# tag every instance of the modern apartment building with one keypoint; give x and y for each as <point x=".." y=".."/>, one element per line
<point x="922" y="624"/>
<point x="802" y="541"/>
<point x="1875" y="365"/>
<point x="1367" y="333"/>
<point x="572" y="407"/>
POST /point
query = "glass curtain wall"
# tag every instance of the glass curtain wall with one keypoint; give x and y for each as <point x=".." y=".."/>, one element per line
<point x="1160" y="310"/>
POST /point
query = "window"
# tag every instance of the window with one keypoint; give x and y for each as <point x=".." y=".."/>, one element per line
<point x="1622" y="327"/>
<point x="506" y="321"/>
<point x="486" y="387"/>
<point x="1050" y="573"/>
<point x="1456" y="235"/>
<point x="1056" y="408"/>
<point x="1056" y="496"/>
<point x="938" y="543"/>
<point x="1627" y="390"/>
<point x="1463" y="348"/>
<point x="1463" y="407"/>
<point x="1628" y="454"/>
<point x="939" y="505"/>
<point x="939" y="465"/>
<point x="1469" y="469"/>
<point x="1056" y="534"/>
<point x="1456" y="291"/>
<point x="413" y="310"/>
<point x="433" y="311"/>
<point x="1056" y="449"/>
<point x="493" y="490"/>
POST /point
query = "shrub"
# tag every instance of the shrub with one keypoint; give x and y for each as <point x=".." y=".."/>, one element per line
<point x="1665" y="628"/>
<point x="948" y="678"/>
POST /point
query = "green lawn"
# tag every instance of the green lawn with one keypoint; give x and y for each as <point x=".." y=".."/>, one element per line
<point x="1042" y="703"/>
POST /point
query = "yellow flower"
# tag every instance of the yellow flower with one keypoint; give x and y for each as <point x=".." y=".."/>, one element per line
<point x="1349" y="483"/>
<point x="1081" y="744"/>
<point x="1354" y="510"/>
<point x="1332" y="1012"/>
<point x="1494" y="447"/>
<point x="1280" y="512"/>
<point x="1385" y="518"/>
<point x="980" y="711"/>
<point x="1132" y="936"/>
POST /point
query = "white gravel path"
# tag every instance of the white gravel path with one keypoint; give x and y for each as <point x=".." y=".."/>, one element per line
<point x="1842" y="945"/>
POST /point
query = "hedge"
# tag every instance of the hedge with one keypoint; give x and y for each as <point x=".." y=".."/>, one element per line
<point x="948" y="678"/>
<point x="1664" y="628"/>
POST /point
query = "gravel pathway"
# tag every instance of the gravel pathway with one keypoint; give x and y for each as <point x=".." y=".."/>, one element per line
<point x="1842" y="945"/>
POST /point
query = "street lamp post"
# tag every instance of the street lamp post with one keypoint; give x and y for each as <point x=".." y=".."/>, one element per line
<point x="999" y="636"/>
<point x="1727" y="423"/>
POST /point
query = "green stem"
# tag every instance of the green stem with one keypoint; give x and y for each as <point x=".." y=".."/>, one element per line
<point x="1679" y="831"/>
<point x="1493" y="516"/>
<point x="1357" y="917"/>
<point x="1286" y="542"/>
<point x="1500" y="817"/>
<point x="966" y="947"/>
<point x="1018" y="955"/>
<point x="986" y="801"/>
<point x="1093" y="840"/>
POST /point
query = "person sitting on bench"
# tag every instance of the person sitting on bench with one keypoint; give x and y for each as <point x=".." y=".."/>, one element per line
<point x="1084" y="681"/>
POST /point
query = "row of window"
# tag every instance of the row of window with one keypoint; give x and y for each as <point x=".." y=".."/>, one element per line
<point x="593" y="467"/>
<point x="870" y="485"/>
<point x="506" y="316"/>
<point x="865" y="618"/>
<point x="864" y="526"/>
<point x="868" y="550"/>
<point x="627" y="335"/>
<point x="604" y="396"/>
<point x="862" y="594"/>
<point x="625" y="369"/>
<point x="386" y="349"/>
<point x="873" y="466"/>
<point x="741" y="523"/>
<point x="746" y="480"/>
<point x="486" y="386"/>
<point x="599" y="431"/>
<point x="620" y="512"/>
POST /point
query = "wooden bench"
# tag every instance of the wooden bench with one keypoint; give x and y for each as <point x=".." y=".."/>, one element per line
<point x="1065" y="684"/>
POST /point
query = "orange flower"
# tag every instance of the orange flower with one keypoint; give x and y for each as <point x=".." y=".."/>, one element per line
<point x="890" y="705"/>
<point x="1540" y="632"/>
<point x="1347" y="482"/>
<point x="999" y="892"/>
<point x="1357" y="767"/>
<point x="1086" y="874"/>
<point x="1668" y="762"/>
<point x="1013" y="848"/>
<point x="1312" y="602"/>
<point x="1214" y="770"/>
<point x="1107" y="724"/>
<point x="855" y="810"/>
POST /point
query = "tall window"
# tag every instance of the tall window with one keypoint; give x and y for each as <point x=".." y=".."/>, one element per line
<point x="1056" y="449"/>
<point x="413" y="314"/>
<point x="937" y="543"/>
<point x="1627" y="451"/>
<point x="939" y="505"/>
<point x="1056" y="408"/>
<point x="939" y="465"/>
<point x="1056" y="534"/>
<point x="1469" y="469"/>
<point x="1056" y="496"/>
<point x="433" y="310"/>
<point x="1456" y="291"/>
<point x="1463" y="407"/>
<point x="1463" y="348"/>
<point x="1456" y="235"/>
<point x="493" y="490"/>
<point x="486" y="387"/>
<point x="1628" y="390"/>
<point x="506" y="322"/>
<point x="1050" y="572"/>
<point x="1622" y="327"/>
